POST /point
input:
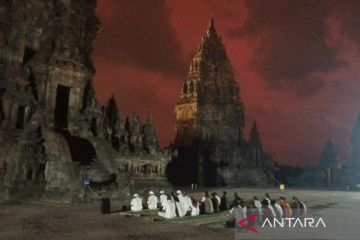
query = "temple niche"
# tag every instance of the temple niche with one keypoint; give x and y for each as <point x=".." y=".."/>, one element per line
<point x="54" y="132"/>
<point x="210" y="122"/>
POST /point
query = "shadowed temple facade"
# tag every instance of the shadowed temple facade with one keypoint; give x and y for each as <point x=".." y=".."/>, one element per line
<point x="210" y="121"/>
<point x="54" y="133"/>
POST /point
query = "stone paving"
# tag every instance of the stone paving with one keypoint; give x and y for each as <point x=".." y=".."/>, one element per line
<point x="338" y="209"/>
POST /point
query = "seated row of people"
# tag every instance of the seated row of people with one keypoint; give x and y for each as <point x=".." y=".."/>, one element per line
<point x="180" y="204"/>
<point x="207" y="205"/>
<point x="152" y="203"/>
<point x="266" y="209"/>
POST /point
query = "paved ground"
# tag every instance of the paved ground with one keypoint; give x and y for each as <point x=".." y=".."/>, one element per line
<point x="339" y="210"/>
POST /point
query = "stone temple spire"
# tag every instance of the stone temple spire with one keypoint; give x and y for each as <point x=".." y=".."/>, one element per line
<point x="211" y="29"/>
<point x="329" y="157"/>
<point x="211" y="46"/>
<point x="112" y="111"/>
<point x="255" y="146"/>
<point x="209" y="108"/>
<point x="254" y="138"/>
<point x="355" y="140"/>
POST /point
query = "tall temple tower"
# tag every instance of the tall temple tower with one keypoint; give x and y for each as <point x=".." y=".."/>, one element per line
<point x="210" y="111"/>
<point x="210" y="104"/>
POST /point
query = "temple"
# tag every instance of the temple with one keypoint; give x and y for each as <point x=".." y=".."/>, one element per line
<point x="54" y="133"/>
<point x="210" y="121"/>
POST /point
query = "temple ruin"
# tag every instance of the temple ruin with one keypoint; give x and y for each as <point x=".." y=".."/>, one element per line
<point x="54" y="133"/>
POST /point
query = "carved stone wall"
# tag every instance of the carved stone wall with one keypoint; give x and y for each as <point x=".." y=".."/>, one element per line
<point x="54" y="133"/>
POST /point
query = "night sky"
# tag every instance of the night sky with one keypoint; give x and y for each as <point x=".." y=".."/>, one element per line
<point x="297" y="64"/>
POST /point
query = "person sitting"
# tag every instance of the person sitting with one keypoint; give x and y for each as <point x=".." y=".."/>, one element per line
<point x="168" y="209"/>
<point x="268" y="198"/>
<point x="136" y="203"/>
<point x="195" y="207"/>
<point x="253" y="209"/>
<point x="299" y="208"/>
<point x="207" y="204"/>
<point x="216" y="200"/>
<point x="277" y="208"/>
<point x="182" y="200"/>
<point x="287" y="212"/>
<point x="267" y="210"/>
<point x="187" y="203"/>
<point x="202" y="205"/>
<point x="237" y="213"/>
<point x="152" y="201"/>
<point x="223" y="203"/>
<point x="163" y="198"/>
<point x="236" y="199"/>
<point x="179" y="209"/>
<point x="179" y="195"/>
<point x="257" y="204"/>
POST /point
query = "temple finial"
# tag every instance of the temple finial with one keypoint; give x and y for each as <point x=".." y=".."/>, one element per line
<point x="211" y="29"/>
<point x="212" y="20"/>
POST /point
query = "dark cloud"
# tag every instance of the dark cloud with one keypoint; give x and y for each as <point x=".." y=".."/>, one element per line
<point x="347" y="13"/>
<point x="292" y="42"/>
<point x="138" y="33"/>
<point x="259" y="109"/>
<point x="310" y="86"/>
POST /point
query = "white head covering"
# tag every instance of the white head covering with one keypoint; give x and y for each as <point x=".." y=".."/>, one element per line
<point x="162" y="192"/>
<point x="178" y="192"/>
<point x="136" y="195"/>
<point x="151" y="192"/>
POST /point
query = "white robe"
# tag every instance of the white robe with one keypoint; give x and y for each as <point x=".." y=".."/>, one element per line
<point x="152" y="202"/>
<point x="272" y="211"/>
<point x="168" y="210"/>
<point x="187" y="203"/>
<point x="238" y="213"/>
<point x="183" y="202"/>
<point x="195" y="210"/>
<point x="279" y="210"/>
<point x="209" y="208"/>
<point x="136" y="204"/>
<point x="180" y="209"/>
<point x="244" y="210"/>
<point x="257" y="204"/>
<point x="218" y="200"/>
<point x="163" y="199"/>
<point x="180" y="196"/>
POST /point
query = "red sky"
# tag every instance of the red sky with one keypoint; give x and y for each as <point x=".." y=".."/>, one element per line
<point x="297" y="64"/>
